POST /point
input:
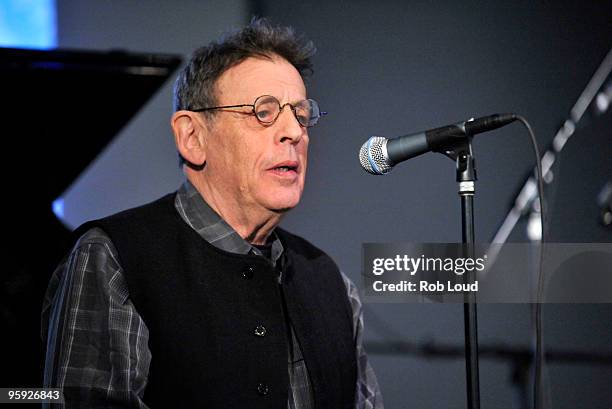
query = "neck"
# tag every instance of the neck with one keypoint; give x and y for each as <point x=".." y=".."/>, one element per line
<point x="253" y="225"/>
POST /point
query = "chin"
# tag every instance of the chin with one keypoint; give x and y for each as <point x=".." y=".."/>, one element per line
<point x="282" y="207"/>
<point x="283" y="202"/>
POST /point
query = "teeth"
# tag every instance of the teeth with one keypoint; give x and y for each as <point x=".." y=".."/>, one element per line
<point x="283" y="168"/>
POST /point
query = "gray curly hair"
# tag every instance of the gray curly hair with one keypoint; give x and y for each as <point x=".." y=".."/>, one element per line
<point x="195" y="84"/>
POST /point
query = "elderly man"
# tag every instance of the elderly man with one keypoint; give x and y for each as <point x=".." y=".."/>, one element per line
<point x="198" y="299"/>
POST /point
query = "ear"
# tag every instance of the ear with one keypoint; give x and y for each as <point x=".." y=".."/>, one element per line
<point x="190" y="130"/>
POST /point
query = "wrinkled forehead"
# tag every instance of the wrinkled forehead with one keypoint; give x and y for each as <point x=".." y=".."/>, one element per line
<point x="256" y="76"/>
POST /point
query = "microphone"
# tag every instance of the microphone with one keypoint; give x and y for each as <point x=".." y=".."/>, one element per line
<point x="378" y="155"/>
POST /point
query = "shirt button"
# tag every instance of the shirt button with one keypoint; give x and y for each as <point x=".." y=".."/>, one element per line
<point x="247" y="273"/>
<point x="263" y="389"/>
<point x="260" y="330"/>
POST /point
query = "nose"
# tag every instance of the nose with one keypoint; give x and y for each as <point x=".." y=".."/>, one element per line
<point x="289" y="128"/>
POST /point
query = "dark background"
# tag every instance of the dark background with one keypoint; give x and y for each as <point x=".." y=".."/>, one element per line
<point x="391" y="68"/>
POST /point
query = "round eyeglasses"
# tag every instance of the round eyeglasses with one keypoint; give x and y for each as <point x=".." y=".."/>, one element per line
<point x="267" y="108"/>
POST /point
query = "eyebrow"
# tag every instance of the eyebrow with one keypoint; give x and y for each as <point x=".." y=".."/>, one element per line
<point x="295" y="101"/>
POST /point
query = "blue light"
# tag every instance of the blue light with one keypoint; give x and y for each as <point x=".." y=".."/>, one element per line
<point x="28" y="24"/>
<point x="58" y="208"/>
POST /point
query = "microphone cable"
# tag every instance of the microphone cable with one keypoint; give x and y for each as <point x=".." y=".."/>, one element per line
<point x="537" y="315"/>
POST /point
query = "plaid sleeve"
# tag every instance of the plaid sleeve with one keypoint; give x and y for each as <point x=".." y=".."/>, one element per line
<point x="368" y="395"/>
<point x="96" y="342"/>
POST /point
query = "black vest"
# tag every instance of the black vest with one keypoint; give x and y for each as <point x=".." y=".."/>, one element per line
<point x="217" y="332"/>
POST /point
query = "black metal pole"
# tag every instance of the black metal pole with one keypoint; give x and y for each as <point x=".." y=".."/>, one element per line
<point x="466" y="176"/>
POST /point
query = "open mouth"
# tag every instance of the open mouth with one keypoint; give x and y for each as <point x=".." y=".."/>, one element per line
<point x="285" y="168"/>
<point x="288" y="168"/>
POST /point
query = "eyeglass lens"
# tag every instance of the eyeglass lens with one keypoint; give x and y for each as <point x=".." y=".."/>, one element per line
<point x="267" y="109"/>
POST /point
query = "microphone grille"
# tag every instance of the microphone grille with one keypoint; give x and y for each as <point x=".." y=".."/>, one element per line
<point x="373" y="156"/>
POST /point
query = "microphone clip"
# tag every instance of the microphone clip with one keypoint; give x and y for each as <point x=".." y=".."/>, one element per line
<point x="459" y="150"/>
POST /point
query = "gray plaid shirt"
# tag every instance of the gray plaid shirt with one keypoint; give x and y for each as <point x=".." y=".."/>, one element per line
<point x="97" y="344"/>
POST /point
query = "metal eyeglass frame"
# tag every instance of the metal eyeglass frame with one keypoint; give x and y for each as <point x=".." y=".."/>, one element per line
<point x="280" y="109"/>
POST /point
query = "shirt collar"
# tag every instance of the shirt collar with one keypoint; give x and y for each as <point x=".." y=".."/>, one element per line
<point x="211" y="227"/>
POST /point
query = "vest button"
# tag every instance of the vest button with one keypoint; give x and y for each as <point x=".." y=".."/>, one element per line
<point x="260" y="330"/>
<point x="263" y="389"/>
<point x="247" y="273"/>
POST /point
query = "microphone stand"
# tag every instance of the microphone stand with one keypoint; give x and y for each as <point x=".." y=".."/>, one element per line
<point x="461" y="152"/>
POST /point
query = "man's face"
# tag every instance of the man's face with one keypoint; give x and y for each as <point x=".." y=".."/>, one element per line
<point x="245" y="159"/>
